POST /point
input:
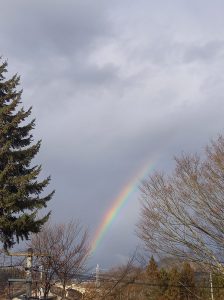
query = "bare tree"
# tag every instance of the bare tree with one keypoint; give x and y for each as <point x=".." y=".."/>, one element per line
<point x="183" y="214"/>
<point x="66" y="247"/>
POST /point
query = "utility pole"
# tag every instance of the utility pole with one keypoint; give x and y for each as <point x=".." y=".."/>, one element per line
<point x="211" y="286"/>
<point x="97" y="276"/>
<point x="29" y="265"/>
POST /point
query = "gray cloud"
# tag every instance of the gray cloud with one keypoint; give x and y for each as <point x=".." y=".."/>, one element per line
<point x="209" y="52"/>
<point x="41" y="28"/>
<point x="113" y="89"/>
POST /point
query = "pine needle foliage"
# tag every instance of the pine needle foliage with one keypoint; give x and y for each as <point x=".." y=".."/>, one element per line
<point x="20" y="190"/>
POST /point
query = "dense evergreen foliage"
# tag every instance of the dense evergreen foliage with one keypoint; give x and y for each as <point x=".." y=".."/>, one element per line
<point x="20" y="191"/>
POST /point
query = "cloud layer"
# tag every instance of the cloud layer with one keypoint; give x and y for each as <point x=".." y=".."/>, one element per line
<point x="113" y="85"/>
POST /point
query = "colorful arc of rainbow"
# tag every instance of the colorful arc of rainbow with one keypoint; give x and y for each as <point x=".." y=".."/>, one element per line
<point x="117" y="206"/>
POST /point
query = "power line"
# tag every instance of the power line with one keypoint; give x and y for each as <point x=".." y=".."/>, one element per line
<point x="111" y="278"/>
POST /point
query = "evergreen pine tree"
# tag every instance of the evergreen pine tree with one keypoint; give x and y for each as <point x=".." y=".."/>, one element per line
<point x="163" y="282"/>
<point x="20" y="190"/>
<point x="153" y="280"/>
<point x="152" y="270"/>
<point x="187" y="280"/>
<point x="173" y="291"/>
<point x="218" y="284"/>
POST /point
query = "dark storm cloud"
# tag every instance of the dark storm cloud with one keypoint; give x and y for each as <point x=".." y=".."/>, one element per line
<point x="52" y="42"/>
<point x="37" y="29"/>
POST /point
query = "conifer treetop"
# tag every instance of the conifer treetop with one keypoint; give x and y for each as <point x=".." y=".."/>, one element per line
<point x="20" y="190"/>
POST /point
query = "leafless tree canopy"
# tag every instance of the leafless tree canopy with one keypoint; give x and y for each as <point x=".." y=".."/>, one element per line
<point x="183" y="214"/>
<point x="67" y="248"/>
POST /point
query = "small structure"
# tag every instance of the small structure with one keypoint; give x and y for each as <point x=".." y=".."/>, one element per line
<point x="28" y="287"/>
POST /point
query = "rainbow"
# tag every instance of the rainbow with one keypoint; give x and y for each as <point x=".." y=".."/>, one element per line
<point x="117" y="205"/>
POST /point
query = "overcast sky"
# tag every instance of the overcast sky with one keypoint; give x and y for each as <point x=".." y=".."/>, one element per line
<point x="114" y="84"/>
